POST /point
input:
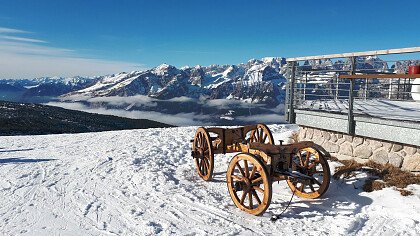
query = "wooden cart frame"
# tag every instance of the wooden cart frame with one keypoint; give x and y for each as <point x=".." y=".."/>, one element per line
<point x="259" y="163"/>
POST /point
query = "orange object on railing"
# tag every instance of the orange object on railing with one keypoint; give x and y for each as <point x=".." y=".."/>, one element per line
<point x="414" y="70"/>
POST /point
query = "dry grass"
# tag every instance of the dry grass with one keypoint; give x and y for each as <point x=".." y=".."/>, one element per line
<point x="382" y="176"/>
<point x="295" y="137"/>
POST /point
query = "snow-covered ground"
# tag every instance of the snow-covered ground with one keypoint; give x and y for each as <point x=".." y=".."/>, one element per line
<point x="143" y="182"/>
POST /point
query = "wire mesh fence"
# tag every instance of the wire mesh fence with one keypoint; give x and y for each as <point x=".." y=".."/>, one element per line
<point x="376" y="87"/>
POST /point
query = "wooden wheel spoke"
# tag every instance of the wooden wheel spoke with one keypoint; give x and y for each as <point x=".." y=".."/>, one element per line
<point x="256" y="196"/>
<point x="302" y="186"/>
<point x="251" y="206"/>
<point x="204" y="167"/>
<point x="254" y="137"/>
<point x="204" y="170"/>
<point x="316" y="181"/>
<point x="308" y="155"/>
<point x="205" y="145"/>
<point x="300" y="159"/>
<point x="258" y="189"/>
<point x="243" y="197"/>
<point x="201" y="166"/>
<point x="256" y="180"/>
<point x="240" y="169"/>
<point x="201" y="139"/>
<point x="253" y="172"/>
<point x="246" y="168"/>
<point x="264" y="138"/>
<point x="206" y="163"/>
<point x="312" y="186"/>
<point x="260" y="135"/>
<point x="257" y="135"/>
<point x="313" y="165"/>
<point x="236" y="177"/>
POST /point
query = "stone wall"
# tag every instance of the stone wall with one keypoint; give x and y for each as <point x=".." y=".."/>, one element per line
<point x="361" y="149"/>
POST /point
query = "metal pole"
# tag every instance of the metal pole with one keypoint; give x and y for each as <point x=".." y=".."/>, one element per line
<point x="336" y="87"/>
<point x="351" y="124"/>
<point x="390" y="89"/>
<point x="304" y="86"/>
<point x="291" y="116"/>
<point x="366" y="88"/>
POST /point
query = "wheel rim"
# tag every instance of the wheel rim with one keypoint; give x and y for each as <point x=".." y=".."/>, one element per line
<point x="203" y="154"/>
<point x="249" y="184"/>
<point x="310" y="162"/>
<point x="261" y="135"/>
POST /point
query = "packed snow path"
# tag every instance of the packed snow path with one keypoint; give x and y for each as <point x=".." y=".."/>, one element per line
<point x="143" y="182"/>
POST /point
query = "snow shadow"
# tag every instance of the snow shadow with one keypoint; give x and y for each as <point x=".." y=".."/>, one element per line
<point x="343" y="198"/>
<point x="22" y="160"/>
<point x="17" y="150"/>
<point x="219" y="177"/>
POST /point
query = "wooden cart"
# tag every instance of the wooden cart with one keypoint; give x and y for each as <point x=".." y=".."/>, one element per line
<point x="259" y="163"/>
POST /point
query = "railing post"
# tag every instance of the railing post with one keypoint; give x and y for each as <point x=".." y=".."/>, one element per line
<point x="351" y="123"/>
<point x="337" y="95"/>
<point x="291" y="114"/>
<point x="304" y="86"/>
<point x="366" y="88"/>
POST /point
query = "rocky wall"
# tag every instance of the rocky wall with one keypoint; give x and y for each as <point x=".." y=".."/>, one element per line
<point x="361" y="149"/>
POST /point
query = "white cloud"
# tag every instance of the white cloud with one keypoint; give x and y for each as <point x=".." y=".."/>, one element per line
<point x="119" y="101"/>
<point x="182" y="99"/>
<point x="12" y="31"/>
<point x="263" y="118"/>
<point x="180" y="119"/>
<point x="30" y="40"/>
<point x="227" y="103"/>
<point x="23" y="57"/>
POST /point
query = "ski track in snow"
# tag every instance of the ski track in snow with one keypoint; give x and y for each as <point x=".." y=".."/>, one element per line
<point x="143" y="182"/>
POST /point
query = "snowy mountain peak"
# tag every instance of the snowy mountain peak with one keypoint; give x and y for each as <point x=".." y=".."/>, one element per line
<point x="165" y="69"/>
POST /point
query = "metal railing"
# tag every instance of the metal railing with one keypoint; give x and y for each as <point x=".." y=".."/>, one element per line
<point x="350" y="82"/>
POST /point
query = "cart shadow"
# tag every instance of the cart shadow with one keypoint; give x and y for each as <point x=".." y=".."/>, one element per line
<point x="219" y="177"/>
<point x="22" y="160"/>
<point x="341" y="199"/>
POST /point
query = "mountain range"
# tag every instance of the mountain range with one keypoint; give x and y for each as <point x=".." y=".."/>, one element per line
<point x="170" y="89"/>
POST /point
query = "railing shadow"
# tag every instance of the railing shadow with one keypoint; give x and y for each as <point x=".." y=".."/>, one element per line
<point x="16" y="150"/>
<point x="22" y="160"/>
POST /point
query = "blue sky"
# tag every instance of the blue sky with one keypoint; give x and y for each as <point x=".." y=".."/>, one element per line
<point x="99" y="37"/>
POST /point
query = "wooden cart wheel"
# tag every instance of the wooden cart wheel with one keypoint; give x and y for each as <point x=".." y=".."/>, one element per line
<point x="249" y="184"/>
<point x="261" y="135"/>
<point x="310" y="162"/>
<point x="203" y="154"/>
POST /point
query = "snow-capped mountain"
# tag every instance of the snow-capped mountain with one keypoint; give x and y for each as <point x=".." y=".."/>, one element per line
<point x="257" y="81"/>
<point x="362" y="63"/>
<point x="42" y="89"/>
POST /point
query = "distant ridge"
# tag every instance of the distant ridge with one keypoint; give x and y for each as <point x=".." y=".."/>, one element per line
<point x="35" y="119"/>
